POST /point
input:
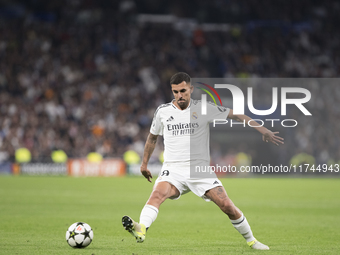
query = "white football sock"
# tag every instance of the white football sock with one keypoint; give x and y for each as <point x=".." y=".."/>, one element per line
<point x="148" y="215"/>
<point x="242" y="226"/>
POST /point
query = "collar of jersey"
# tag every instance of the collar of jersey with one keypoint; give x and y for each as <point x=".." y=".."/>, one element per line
<point x="188" y="108"/>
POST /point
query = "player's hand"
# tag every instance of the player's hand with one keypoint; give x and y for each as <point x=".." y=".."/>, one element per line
<point x="272" y="137"/>
<point x="146" y="173"/>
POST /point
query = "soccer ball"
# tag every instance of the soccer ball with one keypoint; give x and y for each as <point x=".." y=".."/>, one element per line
<point x="79" y="235"/>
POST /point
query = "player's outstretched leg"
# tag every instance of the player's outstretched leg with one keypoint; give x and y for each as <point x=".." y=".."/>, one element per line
<point x="219" y="196"/>
<point x="242" y="226"/>
<point x="160" y="193"/>
<point x="134" y="228"/>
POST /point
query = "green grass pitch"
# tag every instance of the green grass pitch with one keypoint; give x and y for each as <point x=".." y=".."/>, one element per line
<point x="292" y="216"/>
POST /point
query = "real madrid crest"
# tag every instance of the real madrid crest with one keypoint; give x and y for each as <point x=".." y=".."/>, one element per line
<point x="194" y="115"/>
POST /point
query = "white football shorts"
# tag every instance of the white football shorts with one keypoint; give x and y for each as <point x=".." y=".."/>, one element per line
<point x="179" y="176"/>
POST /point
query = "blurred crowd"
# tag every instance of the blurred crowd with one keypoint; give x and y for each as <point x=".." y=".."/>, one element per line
<point x="86" y="76"/>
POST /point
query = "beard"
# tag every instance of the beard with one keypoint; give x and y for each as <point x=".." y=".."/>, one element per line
<point x="183" y="104"/>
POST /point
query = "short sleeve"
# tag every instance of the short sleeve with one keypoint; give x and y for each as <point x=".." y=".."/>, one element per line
<point x="156" y="126"/>
<point x="216" y="112"/>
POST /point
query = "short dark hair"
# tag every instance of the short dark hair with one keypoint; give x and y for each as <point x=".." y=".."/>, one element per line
<point x="179" y="78"/>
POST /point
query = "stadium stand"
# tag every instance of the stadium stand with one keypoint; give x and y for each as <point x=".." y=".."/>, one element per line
<point x="86" y="76"/>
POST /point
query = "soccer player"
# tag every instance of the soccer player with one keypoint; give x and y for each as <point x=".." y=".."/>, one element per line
<point x="186" y="143"/>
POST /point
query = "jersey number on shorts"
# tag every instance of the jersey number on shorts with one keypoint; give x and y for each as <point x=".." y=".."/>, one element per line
<point x="165" y="172"/>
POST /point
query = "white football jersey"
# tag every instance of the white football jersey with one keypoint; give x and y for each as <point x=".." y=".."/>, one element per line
<point x="186" y="132"/>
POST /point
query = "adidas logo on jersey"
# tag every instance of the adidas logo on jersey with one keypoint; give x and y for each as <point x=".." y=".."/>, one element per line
<point x="215" y="182"/>
<point x="170" y="119"/>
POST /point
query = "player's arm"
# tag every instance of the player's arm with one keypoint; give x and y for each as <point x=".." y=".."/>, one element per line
<point x="267" y="135"/>
<point x="148" y="150"/>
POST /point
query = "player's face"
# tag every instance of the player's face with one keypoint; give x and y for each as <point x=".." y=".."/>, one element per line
<point x="182" y="94"/>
